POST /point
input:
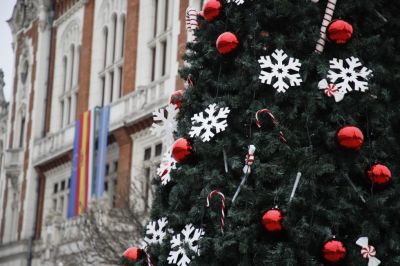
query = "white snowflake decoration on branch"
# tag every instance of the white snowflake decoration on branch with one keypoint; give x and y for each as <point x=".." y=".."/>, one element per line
<point x="156" y="231"/>
<point x="189" y="237"/>
<point x="215" y="121"/>
<point x="280" y="75"/>
<point x="237" y="2"/>
<point x="353" y="77"/>
<point x="168" y="163"/>
<point x="165" y="123"/>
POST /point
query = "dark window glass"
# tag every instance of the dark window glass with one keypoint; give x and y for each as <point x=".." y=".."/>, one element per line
<point x="155" y="17"/>
<point x="164" y="57"/>
<point x="112" y="86"/>
<point x="22" y="133"/>
<point x="62" y="185"/>
<point x="123" y="36"/>
<point x="166" y="14"/>
<point x="153" y="64"/>
<point x="55" y="189"/>
<point x="147" y="154"/>
<point x="158" y="149"/>
<point x="107" y="169"/>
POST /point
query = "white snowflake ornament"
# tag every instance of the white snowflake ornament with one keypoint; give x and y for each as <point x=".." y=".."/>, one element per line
<point x="215" y="121"/>
<point x="165" y="123"/>
<point x="156" y="231"/>
<point x="354" y="76"/>
<point x="237" y="2"/>
<point x="189" y="237"/>
<point x="280" y="75"/>
<point x="168" y="163"/>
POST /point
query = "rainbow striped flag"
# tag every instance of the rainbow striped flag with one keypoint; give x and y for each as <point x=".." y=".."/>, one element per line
<point x="81" y="177"/>
<point x="88" y="172"/>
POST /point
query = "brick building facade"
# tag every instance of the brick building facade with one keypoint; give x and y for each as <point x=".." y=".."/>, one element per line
<point x="71" y="56"/>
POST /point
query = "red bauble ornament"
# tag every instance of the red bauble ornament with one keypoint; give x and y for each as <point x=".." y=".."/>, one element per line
<point x="350" y="137"/>
<point x="272" y="220"/>
<point x="334" y="251"/>
<point x="177" y="98"/>
<point x="227" y="42"/>
<point x="133" y="253"/>
<point x="181" y="150"/>
<point x="379" y="175"/>
<point x="211" y="10"/>
<point x="339" y="31"/>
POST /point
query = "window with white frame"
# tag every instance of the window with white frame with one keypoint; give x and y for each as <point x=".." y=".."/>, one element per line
<point x="111" y="181"/>
<point x="59" y="196"/>
<point x="151" y="160"/>
<point x="110" y="75"/>
<point x="69" y="73"/>
<point x="19" y="126"/>
<point x="159" y="44"/>
<point x="70" y="66"/>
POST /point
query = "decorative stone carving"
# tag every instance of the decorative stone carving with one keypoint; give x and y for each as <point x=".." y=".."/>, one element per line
<point x="25" y="11"/>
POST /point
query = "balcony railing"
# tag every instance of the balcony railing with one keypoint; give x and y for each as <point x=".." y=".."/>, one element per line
<point x="53" y="144"/>
<point x="126" y="110"/>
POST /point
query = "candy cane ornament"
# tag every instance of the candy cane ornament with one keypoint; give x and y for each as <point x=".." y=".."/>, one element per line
<point x="149" y="263"/>
<point x="330" y="9"/>
<point x="274" y="121"/>
<point x="269" y="113"/>
<point x="210" y="195"/>
<point x="191" y="19"/>
<point x="249" y="161"/>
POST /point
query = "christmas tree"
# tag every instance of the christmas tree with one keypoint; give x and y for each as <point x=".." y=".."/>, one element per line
<point x="289" y="131"/>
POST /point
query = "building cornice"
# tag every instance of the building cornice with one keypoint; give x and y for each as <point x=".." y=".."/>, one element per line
<point x="67" y="14"/>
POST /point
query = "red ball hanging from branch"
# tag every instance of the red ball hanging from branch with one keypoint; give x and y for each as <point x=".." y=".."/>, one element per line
<point x="340" y="31"/>
<point x="211" y="10"/>
<point x="334" y="251"/>
<point x="177" y="98"/>
<point x="227" y="42"/>
<point x="272" y="220"/>
<point x="379" y="175"/>
<point x="132" y="254"/>
<point x="350" y="137"/>
<point x="181" y="150"/>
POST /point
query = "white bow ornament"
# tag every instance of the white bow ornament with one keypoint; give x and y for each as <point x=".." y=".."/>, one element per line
<point x="368" y="252"/>
<point x="331" y="90"/>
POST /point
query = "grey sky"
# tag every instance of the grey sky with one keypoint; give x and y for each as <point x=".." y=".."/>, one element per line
<point x="6" y="52"/>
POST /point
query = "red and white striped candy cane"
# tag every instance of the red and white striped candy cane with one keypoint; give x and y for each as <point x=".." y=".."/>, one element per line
<point x="268" y="112"/>
<point x="149" y="263"/>
<point x="274" y="121"/>
<point x="191" y="19"/>
<point x="330" y="9"/>
<point x="210" y="195"/>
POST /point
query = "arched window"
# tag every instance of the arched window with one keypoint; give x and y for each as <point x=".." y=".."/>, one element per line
<point x="115" y="36"/>
<point x="71" y="66"/>
<point x="69" y="73"/>
<point x="122" y="36"/>
<point x="105" y="41"/>
<point x="64" y="73"/>
<point x="159" y="44"/>
<point x="110" y="75"/>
